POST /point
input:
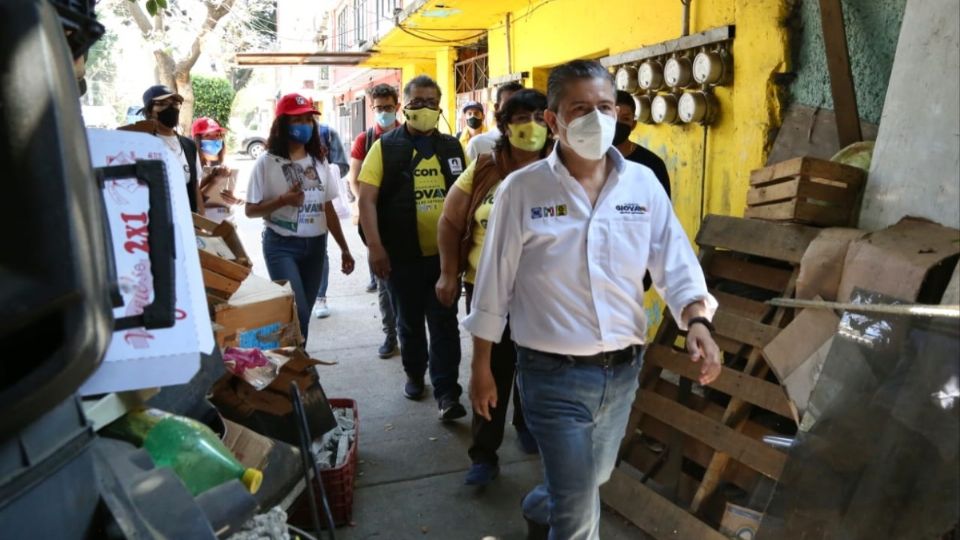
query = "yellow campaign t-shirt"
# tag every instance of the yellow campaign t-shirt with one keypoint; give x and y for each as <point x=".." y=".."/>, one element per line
<point x="480" y="217"/>
<point x="429" y="192"/>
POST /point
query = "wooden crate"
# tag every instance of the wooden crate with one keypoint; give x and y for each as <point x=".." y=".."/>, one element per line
<point x="686" y="444"/>
<point x="806" y="190"/>
<point x="222" y="277"/>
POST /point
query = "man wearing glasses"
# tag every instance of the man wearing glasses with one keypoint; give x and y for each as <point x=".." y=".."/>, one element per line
<point x="403" y="181"/>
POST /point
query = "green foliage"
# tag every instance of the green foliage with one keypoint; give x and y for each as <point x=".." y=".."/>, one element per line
<point x="213" y="97"/>
<point x="153" y="6"/>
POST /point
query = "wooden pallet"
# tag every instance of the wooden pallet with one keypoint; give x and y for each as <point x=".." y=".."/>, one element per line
<point x="683" y="445"/>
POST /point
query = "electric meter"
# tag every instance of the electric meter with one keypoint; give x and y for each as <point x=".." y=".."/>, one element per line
<point x="696" y="107"/>
<point x="709" y="68"/>
<point x="650" y="75"/>
<point x="677" y="72"/>
<point x="663" y="110"/>
<point x="627" y="79"/>
<point x="643" y="110"/>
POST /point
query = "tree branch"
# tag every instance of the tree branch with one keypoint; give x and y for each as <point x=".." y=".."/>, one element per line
<point x="215" y="12"/>
<point x="139" y="17"/>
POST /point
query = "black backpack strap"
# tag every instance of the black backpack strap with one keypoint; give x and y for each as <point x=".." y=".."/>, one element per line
<point x="371" y="137"/>
<point x="190" y="153"/>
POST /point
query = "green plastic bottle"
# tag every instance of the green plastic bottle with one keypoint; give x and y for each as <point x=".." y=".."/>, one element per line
<point x="188" y="447"/>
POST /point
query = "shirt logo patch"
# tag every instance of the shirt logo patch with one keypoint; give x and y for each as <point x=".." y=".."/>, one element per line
<point x="538" y="212"/>
<point x="456" y="165"/>
<point x="631" y="209"/>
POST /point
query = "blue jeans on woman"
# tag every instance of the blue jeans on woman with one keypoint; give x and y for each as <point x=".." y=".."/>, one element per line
<point x="299" y="261"/>
<point x="578" y="414"/>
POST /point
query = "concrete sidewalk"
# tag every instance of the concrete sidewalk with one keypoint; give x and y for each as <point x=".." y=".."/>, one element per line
<point x="410" y="482"/>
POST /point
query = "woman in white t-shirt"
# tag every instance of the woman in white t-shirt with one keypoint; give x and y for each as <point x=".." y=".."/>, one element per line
<point x="291" y="188"/>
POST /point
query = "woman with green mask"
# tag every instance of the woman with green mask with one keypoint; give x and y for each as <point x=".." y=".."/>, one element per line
<point x="524" y="139"/>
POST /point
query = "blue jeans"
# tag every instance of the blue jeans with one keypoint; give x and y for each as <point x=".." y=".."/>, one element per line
<point x="325" y="277"/>
<point x="411" y="286"/>
<point x="299" y="261"/>
<point x="578" y="414"/>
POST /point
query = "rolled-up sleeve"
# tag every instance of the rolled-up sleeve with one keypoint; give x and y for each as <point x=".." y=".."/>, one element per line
<point x="497" y="271"/>
<point x="673" y="265"/>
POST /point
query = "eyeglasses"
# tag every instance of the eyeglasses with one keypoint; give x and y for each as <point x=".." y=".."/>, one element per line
<point x="421" y="103"/>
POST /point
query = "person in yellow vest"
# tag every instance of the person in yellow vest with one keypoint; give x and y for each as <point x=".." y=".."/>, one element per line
<point x="403" y="181"/>
<point x="524" y="139"/>
<point x="473" y="117"/>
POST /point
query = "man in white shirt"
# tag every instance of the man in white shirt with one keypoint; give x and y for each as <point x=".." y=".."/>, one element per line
<point x="568" y="242"/>
<point x="483" y="143"/>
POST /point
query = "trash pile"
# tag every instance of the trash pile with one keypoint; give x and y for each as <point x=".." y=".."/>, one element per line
<point x="271" y="525"/>
<point x="331" y="450"/>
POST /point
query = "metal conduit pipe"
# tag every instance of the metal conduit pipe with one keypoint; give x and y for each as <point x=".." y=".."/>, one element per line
<point x="685" y="21"/>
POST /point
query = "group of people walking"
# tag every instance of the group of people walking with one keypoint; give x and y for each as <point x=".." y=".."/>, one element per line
<point x="551" y="221"/>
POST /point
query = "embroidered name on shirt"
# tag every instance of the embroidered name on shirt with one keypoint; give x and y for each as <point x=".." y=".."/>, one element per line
<point x="538" y="212"/>
<point x="631" y="208"/>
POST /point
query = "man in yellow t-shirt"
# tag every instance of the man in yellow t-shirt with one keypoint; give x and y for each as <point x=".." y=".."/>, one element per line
<point x="403" y="181"/>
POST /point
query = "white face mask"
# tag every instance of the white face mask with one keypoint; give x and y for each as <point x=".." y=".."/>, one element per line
<point x="591" y="134"/>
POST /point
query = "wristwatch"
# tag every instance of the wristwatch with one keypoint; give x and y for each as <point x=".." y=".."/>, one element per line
<point x="704" y="321"/>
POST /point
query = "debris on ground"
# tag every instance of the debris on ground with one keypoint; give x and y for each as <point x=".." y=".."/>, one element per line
<point x="271" y="525"/>
<point x="332" y="449"/>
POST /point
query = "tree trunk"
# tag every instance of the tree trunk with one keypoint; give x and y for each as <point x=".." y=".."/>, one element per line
<point x="185" y="89"/>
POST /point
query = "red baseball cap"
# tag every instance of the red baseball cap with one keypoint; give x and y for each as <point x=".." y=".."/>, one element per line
<point x="295" y="104"/>
<point x="205" y="126"/>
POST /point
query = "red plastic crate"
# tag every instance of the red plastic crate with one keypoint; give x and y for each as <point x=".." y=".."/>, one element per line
<point x="337" y="482"/>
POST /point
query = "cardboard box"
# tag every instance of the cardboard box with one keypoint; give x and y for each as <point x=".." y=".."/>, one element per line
<point x="740" y="523"/>
<point x="270" y="411"/>
<point x="260" y="314"/>
<point x="249" y="447"/>
<point x="896" y="261"/>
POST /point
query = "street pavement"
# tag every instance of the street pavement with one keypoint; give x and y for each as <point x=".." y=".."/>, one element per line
<point x="410" y="479"/>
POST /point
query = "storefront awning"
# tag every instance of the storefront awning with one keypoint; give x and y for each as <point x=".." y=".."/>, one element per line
<point x="321" y="58"/>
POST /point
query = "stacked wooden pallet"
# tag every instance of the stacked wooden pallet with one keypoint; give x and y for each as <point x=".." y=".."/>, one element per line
<point x="690" y="449"/>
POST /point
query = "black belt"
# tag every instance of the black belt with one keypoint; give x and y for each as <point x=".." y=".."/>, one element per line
<point x="603" y="359"/>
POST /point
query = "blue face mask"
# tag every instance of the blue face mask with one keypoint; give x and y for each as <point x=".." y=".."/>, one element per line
<point x="301" y="133"/>
<point x="386" y="119"/>
<point x="211" y="147"/>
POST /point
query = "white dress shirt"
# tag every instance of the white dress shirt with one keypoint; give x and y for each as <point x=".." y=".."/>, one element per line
<point x="570" y="274"/>
<point x="481" y="144"/>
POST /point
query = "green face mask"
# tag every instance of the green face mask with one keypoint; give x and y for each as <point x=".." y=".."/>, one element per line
<point x="422" y="119"/>
<point x="530" y="136"/>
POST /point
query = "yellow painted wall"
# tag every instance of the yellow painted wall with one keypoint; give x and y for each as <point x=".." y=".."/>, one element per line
<point x="544" y="34"/>
<point x="445" y="78"/>
<point x="737" y="143"/>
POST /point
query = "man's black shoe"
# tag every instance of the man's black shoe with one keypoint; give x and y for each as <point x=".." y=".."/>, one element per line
<point x="536" y="531"/>
<point x="413" y="389"/>
<point x="389" y="348"/>
<point x="451" y="409"/>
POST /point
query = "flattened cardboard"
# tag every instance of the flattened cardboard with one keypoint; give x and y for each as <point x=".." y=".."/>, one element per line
<point x="800" y="340"/>
<point x="800" y="383"/>
<point x="895" y="261"/>
<point x="822" y="264"/>
<point x="270" y="411"/>
<point x="225" y="230"/>
<point x="249" y="447"/>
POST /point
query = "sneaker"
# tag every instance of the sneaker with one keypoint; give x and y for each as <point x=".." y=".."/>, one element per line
<point x="451" y="409"/>
<point x="389" y="348"/>
<point x="481" y="474"/>
<point x="413" y="389"/>
<point x="372" y="287"/>
<point x="320" y="309"/>
<point x="527" y="443"/>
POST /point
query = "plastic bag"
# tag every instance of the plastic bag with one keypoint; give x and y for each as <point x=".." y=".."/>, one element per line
<point x="259" y="368"/>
